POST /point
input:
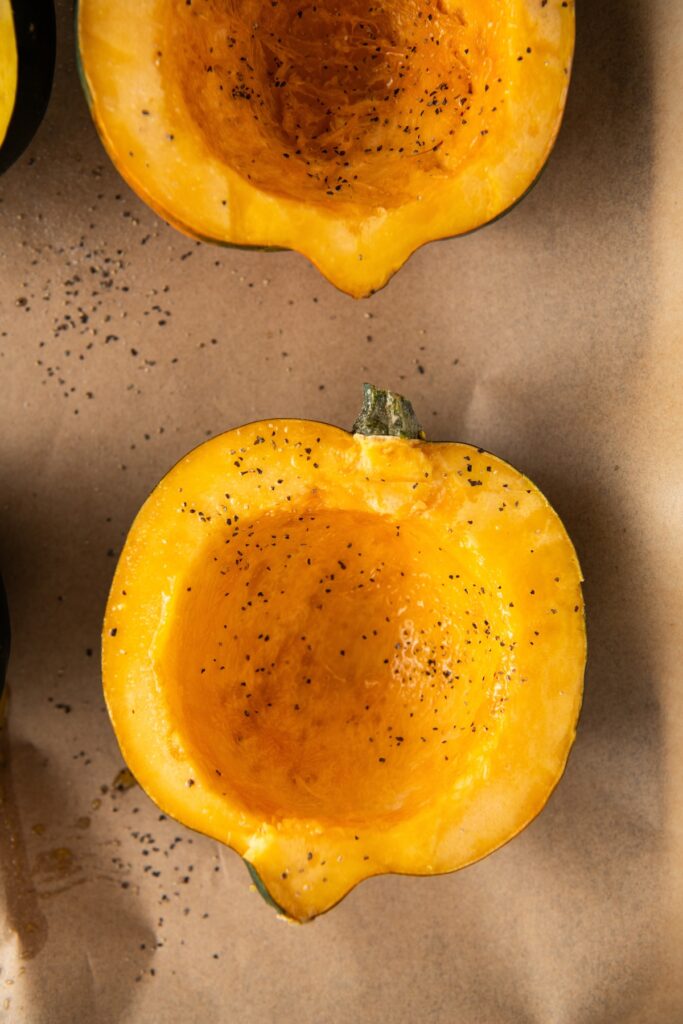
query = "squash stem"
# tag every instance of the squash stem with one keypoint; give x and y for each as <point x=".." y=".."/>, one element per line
<point x="387" y="414"/>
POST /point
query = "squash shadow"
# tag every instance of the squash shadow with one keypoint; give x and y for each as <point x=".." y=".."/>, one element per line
<point x="58" y="883"/>
<point x="58" y="877"/>
<point x="600" y="183"/>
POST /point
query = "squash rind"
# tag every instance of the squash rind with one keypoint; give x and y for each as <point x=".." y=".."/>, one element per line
<point x="262" y="891"/>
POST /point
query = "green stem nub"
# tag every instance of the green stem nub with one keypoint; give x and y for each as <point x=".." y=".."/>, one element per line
<point x="387" y="414"/>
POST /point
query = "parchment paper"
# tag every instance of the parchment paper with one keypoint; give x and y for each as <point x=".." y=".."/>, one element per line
<point x="552" y="338"/>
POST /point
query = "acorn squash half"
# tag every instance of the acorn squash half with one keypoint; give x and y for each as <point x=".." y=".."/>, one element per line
<point x="345" y="654"/>
<point x="27" y="60"/>
<point x="353" y="133"/>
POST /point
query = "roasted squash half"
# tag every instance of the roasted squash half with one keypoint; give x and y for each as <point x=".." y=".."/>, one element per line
<point x="27" y="59"/>
<point x="352" y="132"/>
<point x="345" y="654"/>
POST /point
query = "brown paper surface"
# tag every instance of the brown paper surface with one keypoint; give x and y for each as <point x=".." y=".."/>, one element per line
<point x="552" y="338"/>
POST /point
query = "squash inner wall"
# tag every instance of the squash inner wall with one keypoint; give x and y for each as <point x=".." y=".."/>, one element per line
<point x="331" y="664"/>
<point x="8" y="67"/>
<point x="362" y="102"/>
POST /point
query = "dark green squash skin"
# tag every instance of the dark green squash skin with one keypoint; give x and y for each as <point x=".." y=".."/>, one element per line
<point x="261" y="889"/>
<point x="36" y="38"/>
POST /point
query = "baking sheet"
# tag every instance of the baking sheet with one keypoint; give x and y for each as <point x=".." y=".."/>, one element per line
<point x="553" y="338"/>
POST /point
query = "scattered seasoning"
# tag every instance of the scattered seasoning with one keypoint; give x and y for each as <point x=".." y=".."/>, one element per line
<point x="354" y="103"/>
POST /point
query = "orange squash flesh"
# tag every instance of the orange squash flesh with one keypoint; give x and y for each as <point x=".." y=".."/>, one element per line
<point x="345" y="655"/>
<point x="9" y="67"/>
<point x="352" y="133"/>
<point x="27" y="59"/>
